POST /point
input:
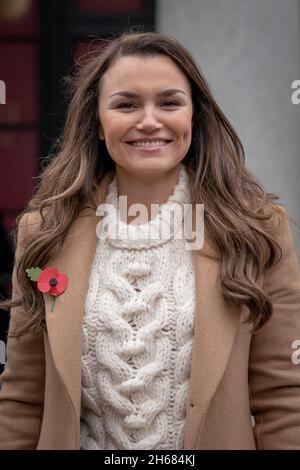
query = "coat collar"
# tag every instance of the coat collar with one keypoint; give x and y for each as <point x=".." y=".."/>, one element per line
<point x="214" y="327"/>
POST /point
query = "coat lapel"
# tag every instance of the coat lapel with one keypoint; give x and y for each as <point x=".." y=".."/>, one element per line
<point x="214" y="326"/>
<point x="64" y="323"/>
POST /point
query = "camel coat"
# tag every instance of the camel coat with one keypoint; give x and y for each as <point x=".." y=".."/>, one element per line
<point x="233" y="374"/>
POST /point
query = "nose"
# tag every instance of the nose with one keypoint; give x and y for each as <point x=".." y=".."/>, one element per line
<point x="149" y="120"/>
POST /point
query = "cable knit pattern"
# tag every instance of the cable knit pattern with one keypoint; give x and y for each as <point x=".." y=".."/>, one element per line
<point x="138" y="334"/>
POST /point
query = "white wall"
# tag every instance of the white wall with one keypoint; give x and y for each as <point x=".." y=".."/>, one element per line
<point x="249" y="50"/>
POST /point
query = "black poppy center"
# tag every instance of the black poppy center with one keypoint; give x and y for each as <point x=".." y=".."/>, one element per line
<point x="53" y="281"/>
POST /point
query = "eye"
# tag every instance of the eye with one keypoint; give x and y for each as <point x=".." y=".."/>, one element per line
<point x="172" y="103"/>
<point x="125" y="105"/>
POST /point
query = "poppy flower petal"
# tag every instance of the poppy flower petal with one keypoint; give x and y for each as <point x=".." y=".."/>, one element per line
<point x="54" y="290"/>
<point x="44" y="278"/>
<point x="62" y="281"/>
<point x="43" y="286"/>
<point x="47" y="274"/>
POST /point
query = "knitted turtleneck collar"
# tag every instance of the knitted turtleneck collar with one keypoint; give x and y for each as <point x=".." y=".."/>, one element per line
<point x="155" y="232"/>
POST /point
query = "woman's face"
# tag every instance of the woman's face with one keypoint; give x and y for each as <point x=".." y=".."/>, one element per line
<point x="157" y="107"/>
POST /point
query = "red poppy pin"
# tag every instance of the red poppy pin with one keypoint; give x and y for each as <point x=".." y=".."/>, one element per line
<point x="49" y="280"/>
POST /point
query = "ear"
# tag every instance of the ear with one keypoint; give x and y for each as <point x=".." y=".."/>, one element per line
<point x="100" y="132"/>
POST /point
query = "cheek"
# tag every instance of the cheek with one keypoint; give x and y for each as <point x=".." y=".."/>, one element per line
<point x="184" y="130"/>
<point x="118" y="131"/>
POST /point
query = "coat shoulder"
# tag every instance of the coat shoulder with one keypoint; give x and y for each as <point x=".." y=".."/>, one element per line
<point x="275" y="221"/>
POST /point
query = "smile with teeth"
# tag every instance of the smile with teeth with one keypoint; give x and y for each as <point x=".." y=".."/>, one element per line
<point x="159" y="143"/>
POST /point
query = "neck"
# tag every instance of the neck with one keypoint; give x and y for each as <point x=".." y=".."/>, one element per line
<point x="147" y="189"/>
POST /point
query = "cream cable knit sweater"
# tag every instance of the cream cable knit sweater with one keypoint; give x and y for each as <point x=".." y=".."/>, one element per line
<point x="137" y="336"/>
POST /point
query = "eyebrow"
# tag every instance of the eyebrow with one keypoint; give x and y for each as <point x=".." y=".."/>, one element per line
<point x="129" y="94"/>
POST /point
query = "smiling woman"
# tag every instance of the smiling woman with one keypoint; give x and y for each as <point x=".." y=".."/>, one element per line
<point x="151" y="345"/>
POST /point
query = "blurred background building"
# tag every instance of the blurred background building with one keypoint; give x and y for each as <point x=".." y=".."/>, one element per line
<point x="249" y="50"/>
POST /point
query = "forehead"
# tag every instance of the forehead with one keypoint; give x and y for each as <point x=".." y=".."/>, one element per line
<point x="142" y="73"/>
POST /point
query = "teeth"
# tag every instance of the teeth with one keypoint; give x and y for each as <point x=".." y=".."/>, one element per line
<point x="159" y="143"/>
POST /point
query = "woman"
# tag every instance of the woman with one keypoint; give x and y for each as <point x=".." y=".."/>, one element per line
<point x="179" y="346"/>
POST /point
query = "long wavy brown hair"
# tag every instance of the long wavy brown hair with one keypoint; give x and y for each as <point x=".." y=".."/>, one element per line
<point x="235" y="202"/>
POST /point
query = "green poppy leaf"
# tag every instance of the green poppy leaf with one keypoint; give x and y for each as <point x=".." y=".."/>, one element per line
<point x="33" y="273"/>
